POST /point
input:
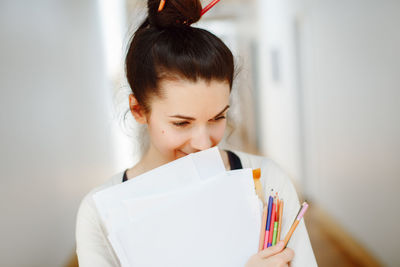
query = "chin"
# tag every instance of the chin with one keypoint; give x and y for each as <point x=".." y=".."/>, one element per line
<point x="179" y="154"/>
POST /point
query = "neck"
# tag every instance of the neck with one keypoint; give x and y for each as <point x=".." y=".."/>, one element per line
<point x="150" y="160"/>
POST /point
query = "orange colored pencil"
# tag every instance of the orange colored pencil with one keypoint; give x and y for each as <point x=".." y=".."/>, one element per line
<point x="161" y="5"/>
<point x="278" y="238"/>
<point x="262" y="231"/>
<point x="303" y="210"/>
<point x="290" y="233"/>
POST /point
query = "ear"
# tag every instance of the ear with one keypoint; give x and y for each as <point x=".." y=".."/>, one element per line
<point x="137" y="110"/>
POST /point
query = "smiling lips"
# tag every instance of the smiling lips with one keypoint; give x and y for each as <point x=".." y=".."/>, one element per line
<point x="185" y="152"/>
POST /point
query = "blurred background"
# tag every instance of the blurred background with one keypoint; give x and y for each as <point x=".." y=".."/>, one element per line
<point x="318" y="91"/>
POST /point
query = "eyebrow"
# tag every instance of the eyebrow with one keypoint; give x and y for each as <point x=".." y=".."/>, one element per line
<point x="192" y="119"/>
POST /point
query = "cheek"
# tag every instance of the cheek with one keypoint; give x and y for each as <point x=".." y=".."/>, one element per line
<point x="165" y="138"/>
<point x="217" y="132"/>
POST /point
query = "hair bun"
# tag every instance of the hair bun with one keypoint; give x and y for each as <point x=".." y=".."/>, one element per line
<point x="175" y="13"/>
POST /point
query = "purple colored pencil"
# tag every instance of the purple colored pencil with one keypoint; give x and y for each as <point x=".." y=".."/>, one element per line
<point x="270" y="201"/>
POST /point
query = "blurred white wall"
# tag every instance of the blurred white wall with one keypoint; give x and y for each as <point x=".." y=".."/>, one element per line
<point x="233" y="23"/>
<point x="54" y="125"/>
<point x="331" y="116"/>
<point x="278" y="90"/>
<point x="352" y="63"/>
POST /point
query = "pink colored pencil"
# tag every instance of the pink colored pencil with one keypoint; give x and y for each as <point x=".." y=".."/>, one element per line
<point x="270" y="202"/>
<point x="271" y="227"/>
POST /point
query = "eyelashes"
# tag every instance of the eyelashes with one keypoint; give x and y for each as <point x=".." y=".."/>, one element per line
<point x="180" y="124"/>
<point x="186" y="123"/>
<point x="219" y="118"/>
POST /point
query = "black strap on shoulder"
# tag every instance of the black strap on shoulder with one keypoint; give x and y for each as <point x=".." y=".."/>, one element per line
<point x="124" y="178"/>
<point x="234" y="161"/>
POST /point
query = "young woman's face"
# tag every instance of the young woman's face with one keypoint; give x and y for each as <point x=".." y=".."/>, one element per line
<point x="191" y="116"/>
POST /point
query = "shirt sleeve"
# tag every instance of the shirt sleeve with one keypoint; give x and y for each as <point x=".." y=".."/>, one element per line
<point x="92" y="247"/>
<point x="273" y="178"/>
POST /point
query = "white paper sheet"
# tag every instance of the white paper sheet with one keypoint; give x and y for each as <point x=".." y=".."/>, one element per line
<point x="176" y="174"/>
<point x="190" y="212"/>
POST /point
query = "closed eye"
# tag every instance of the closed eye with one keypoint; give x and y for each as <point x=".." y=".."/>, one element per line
<point x="186" y="123"/>
<point x="219" y="118"/>
<point x="181" y="124"/>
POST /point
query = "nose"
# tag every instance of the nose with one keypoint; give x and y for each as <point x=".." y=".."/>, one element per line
<point x="201" y="139"/>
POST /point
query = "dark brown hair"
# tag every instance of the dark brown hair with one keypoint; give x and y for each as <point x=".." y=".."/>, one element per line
<point x="166" y="46"/>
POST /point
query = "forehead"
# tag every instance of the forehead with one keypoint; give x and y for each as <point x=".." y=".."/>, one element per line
<point x="192" y="98"/>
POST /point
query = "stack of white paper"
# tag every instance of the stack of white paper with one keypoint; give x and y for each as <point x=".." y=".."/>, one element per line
<point x="190" y="212"/>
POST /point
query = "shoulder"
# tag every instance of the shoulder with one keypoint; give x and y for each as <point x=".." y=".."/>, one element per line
<point x="88" y="199"/>
<point x="255" y="161"/>
<point x="273" y="177"/>
<point x="269" y="168"/>
<point x="91" y="242"/>
<point x="87" y="212"/>
<point x="87" y="202"/>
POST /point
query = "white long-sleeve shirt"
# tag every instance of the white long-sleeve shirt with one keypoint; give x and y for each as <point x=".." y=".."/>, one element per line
<point x="94" y="249"/>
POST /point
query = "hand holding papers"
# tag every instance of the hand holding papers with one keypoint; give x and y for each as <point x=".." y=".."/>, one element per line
<point x="190" y="212"/>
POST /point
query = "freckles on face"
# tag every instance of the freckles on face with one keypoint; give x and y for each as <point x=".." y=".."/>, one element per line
<point x="189" y="117"/>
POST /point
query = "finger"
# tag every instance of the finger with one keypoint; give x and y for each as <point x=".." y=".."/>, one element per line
<point x="285" y="255"/>
<point x="268" y="252"/>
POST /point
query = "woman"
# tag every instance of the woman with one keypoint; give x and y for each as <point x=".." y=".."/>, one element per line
<point x="181" y="78"/>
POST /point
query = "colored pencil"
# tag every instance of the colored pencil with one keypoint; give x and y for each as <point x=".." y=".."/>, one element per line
<point x="278" y="238"/>
<point x="208" y="7"/>
<point x="275" y="233"/>
<point x="161" y="5"/>
<point x="263" y="226"/>
<point x="271" y="228"/>
<point x="270" y="202"/>
<point x="303" y="210"/>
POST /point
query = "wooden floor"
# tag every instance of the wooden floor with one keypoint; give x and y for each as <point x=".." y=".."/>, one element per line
<point x="332" y="245"/>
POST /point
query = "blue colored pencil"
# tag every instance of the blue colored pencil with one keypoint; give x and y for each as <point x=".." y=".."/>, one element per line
<point x="270" y="201"/>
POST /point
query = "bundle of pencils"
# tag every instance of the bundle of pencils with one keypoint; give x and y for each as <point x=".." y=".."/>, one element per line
<point x="271" y="223"/>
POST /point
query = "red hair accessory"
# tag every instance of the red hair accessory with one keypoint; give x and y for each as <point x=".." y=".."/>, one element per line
<point x="204" y="10"/>
<point x="208" y="7"/>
